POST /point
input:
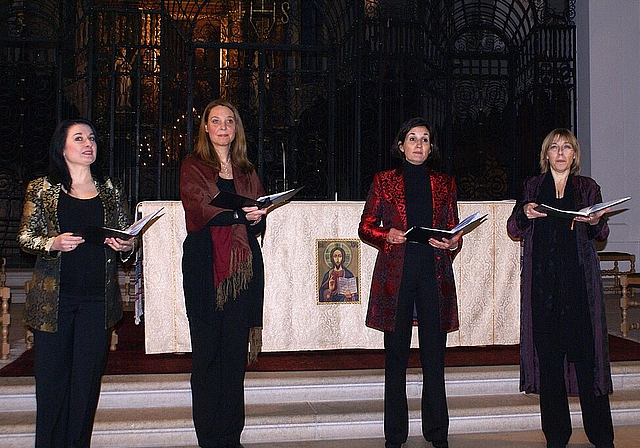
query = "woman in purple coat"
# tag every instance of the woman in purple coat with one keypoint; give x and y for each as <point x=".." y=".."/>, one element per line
<point x="563" y="332"/>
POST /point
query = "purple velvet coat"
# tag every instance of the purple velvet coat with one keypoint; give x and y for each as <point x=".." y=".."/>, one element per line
<point x="587" y="192"/>
<point x="386" y="208"/>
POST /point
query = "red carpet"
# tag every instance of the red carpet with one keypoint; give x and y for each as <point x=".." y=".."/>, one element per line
<point x="129" y="358"/>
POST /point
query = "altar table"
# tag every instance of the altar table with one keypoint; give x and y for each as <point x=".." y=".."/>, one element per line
<point x="487" y="272"/>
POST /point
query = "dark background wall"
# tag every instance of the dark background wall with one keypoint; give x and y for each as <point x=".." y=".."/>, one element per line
<point x="322" y="87"/>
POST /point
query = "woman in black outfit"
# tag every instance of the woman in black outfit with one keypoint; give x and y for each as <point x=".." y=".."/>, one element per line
<point x="563" y="335"/>
<point x="223" y="274"/>
<point x="413" y="280"/>
<point x="74" y="298"/>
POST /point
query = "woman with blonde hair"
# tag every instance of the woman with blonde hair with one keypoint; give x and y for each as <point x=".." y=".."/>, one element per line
<point x="563" y="329"/>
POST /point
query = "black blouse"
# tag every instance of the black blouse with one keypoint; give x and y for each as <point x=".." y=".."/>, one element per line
<point x="559" y="298"/>
<point x="82" y="273"/>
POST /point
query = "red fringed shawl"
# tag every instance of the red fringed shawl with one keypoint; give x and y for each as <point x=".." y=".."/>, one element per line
<point x="232" y="259"/>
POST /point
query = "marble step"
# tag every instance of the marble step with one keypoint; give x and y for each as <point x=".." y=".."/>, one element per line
<point x="154" y="410"/>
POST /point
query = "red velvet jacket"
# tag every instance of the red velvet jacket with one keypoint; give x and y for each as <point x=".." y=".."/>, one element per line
<point x="384" y="209"/>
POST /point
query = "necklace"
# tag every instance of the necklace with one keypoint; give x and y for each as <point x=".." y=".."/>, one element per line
<point x="560" y="184"/>
<point x="225" y="168"/>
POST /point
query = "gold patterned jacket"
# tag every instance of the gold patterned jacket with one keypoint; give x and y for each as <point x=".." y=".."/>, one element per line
<point x="38" y="228"/>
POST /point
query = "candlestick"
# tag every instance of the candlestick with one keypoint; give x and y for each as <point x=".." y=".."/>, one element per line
<point x="284" y="165"/>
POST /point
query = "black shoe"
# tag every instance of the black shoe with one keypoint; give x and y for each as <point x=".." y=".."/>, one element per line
<point x="440" y="444"/>
<point x="388" y="444"/>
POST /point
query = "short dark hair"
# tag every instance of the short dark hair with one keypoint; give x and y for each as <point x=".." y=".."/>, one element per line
<point x="434" y="154"/>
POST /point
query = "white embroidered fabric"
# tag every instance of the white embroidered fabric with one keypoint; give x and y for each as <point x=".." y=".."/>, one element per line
<point x="487" y="272"/>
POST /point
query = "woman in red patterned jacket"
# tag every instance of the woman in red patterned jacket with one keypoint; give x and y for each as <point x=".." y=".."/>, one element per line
<point x="413" y="281"/>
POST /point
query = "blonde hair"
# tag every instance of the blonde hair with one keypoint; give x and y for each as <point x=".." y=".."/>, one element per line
<point x="204" y="150"/>
<point x="551" y="137"/>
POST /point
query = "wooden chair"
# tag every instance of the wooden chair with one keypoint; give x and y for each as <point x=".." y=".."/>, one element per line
<point x="28" y="337"/>
<point x="628" y="281"/>
<point x="5" y="295"/>
<point x="28" y="334"/>
<point x="615" y="272"/>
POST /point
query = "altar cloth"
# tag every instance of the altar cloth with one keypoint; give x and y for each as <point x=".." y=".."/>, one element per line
<point x="487" y="272"/>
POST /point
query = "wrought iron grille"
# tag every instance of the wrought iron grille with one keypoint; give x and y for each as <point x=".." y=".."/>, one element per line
<point x="322" y="87"/>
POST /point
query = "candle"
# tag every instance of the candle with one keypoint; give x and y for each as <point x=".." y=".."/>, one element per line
<point x="284" y="166"/>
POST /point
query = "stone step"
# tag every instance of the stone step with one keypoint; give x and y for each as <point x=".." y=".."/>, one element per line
<point x="271" y="387"/>
<point x="154" y="410"/>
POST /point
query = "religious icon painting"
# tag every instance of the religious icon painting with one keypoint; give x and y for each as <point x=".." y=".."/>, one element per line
<point x="337" y="270"/>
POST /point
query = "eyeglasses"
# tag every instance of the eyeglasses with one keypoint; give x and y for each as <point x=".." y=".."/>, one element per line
<point x="559" y="149"/>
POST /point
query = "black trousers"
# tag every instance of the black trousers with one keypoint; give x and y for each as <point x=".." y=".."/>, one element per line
<point x="554" y="404"/>
<point x="68" y="367"/>
<point x="219" y="345"/>
<point x="417" y="292"/>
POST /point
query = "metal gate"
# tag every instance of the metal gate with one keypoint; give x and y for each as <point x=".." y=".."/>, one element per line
<point x="321" y="85"/>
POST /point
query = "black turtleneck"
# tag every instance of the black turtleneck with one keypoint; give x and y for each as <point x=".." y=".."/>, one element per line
<point x="417" y="190"/>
